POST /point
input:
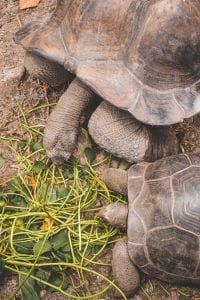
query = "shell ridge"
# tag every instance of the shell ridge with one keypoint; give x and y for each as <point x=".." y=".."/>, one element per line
<point x="178" y="104"/>
<point x="172" y="226"/>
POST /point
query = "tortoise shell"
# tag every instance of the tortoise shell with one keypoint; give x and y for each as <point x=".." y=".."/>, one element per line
<point x="141" y="56"/>
<point x="164" y="218"/>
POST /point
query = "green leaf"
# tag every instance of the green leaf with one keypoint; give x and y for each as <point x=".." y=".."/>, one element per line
<point x="2" y="161"/>
<point x="85" y="171"/>
<point x="29" y="288"/>
<point x="2" y="203"/>
<point x="48" y="193"/>
<point x="64" y="254"/>
<point x="60" y="281"/>
<point x="44" y="275"/>
<point x="42" y="246"/>
<point x="38" y="166"/>
<point x="90" y="154"/>
<point x="22" y="144"/>
<point x="68" y="175"/>
<point x="23" y="244"/>
<point x="2" y="264"/>
<point x="63" y="191"/>
<point x="16" y="184"/>
<point x="35" y="226"/>
<point x="60" y="240"/>
<point x="35" y="146"/>
<point x="18" y="201"/>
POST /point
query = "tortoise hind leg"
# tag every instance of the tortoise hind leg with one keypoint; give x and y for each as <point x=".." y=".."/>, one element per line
<point x="119" y="133"/>
<point x="125" y="273"/>
<point x="61" y="131"/>
<point x="41" y="68"/>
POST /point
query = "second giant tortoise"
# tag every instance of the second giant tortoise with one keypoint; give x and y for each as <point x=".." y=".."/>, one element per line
<point x="163" y="221"/>
<point x="142" y="57"/>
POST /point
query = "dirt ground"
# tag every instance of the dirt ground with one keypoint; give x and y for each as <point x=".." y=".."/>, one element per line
<point x="30" y="92"/>
<point x="11" y="61"/>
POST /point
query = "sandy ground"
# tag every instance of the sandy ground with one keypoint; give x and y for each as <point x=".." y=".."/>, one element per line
<point x="30" y="92"/>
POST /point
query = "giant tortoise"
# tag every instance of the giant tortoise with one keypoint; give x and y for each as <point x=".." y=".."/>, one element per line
<point x="142" y="57"/>
<point x="162" y="218"/>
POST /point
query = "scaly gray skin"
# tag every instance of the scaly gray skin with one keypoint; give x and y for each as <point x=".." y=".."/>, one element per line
<point x="116" y="214"/>
<point x="116" y="179"/>
<point x="126" y="275"/>
<point x="50" y="72"/>
<point x="60" y="135"/>
<point x="61" y="131"/>
<point x="119" y="133"/>
<point x="112" y="129"/>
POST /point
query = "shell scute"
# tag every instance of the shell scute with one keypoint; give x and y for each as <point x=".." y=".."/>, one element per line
<point x="136" y="228"/>
<point x="163" y="221"/>
<point x="186" y="188"/>
<point x="152" y="206"/>
<point x="166" y="167"/>
<point x="194" y="158"/>
<point x="173" y="250"/>
<point x="91" y="25"/>
<point x="137" y="254"/>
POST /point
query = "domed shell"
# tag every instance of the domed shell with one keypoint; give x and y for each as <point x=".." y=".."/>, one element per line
<point x="164" y="218"/>
<point x="141" y="56"/>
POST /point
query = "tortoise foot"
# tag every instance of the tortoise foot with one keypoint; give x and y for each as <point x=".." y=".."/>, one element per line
<point x="125" y="273"/>
<point x="59" y="145"/>
<point x="62" y="128"/>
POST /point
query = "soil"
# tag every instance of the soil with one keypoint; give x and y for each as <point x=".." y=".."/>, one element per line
<point x="30" y="92"/>
<point x="11" y="62"/>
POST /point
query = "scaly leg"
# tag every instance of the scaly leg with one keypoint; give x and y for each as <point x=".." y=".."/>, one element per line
<point x="119" y="133"/>
<point x="61" y="131"/>
<point x="125" y="273"/>
<point x="45" y="70"/>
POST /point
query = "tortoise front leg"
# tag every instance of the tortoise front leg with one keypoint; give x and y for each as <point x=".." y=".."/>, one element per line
<point x="61" y="131"/>
<point x="46" y="70"/>
<point x="125" y="273"/>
